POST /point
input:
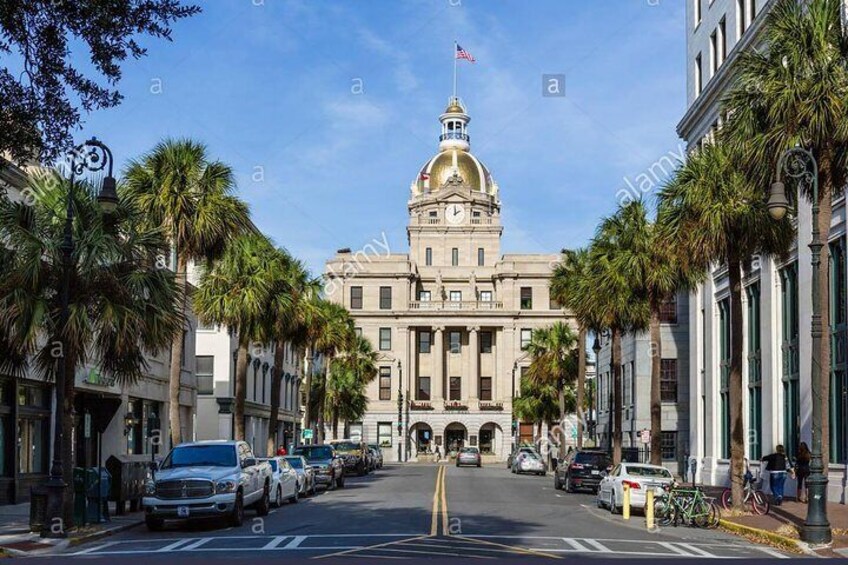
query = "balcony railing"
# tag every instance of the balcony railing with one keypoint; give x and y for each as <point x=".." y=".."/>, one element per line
<point x="456" y="305"/>
<point x="455" y="135"/>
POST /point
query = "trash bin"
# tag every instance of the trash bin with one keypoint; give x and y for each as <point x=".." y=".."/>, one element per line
<point x="128" y="474"/>
<point x="86" y="489"/>
<point x="98" y="493"/>
<point x="37" y="508"/>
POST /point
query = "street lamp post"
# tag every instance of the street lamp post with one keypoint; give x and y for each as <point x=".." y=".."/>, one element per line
<point x="596" y="348"/>
<point x="800" y="164"/>
<point x="91" y="156"/>
<point x="514" y="424"/>
<point x="400" y="413"/>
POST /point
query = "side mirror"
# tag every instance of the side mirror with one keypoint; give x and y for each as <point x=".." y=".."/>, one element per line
<point x="248" y="462"/>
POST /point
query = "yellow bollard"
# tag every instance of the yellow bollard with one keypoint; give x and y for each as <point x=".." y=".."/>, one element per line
<point x="625" y="507"/>
<point x="649" y="509"/>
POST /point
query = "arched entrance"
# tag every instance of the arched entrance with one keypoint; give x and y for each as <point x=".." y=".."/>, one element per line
<point x="456" y="435"/>
<point x="491" y="439"/>
<point x="421" y="435"/>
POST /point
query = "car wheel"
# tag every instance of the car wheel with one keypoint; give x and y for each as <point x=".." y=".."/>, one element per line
<point x="154" y="524"/>
<point x="312" y="490"/>
<point x="479" y="465"/>
<point x="598" y="500"/>
<point x="568" y="487"/>
<point x="263" y="507"/>
<point x="295" y="497"/>
<point x="278" y="497"/>
<point x="612" y="506"/>
<point x="557" y="483"/>
<point x="362" y="470"/>
<point x="340" y="482"/>
<point x="237" y="516"/>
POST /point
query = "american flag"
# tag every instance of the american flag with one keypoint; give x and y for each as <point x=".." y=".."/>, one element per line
<point x="463" y="54"/>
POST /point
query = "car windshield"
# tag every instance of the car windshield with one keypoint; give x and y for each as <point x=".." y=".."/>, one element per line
<point x="588" y="458"/>
<point x="344" y="446"/>
<point x="652" y="472"/>
<point x="315" y="452"/>
<point x="200" y="456"/>
<point x="295" y="462"/>
<point x="471" y="450"/>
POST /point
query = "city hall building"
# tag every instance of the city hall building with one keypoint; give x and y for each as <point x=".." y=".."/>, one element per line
<point x="450" y="319"/>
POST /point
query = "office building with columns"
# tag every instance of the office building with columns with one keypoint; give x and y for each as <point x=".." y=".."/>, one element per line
<point x="450" y="318"/>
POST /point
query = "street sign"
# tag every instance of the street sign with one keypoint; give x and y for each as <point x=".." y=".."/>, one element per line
<point x="306" y="434"/>
<point x="645" y="436"/>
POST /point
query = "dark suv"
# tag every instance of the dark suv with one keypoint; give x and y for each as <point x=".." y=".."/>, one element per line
<point x="355" y="454"/>
<point x="581" y="470"/>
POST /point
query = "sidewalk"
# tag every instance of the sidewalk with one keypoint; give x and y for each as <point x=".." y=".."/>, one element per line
<point x="785" y="521"/>
<point x="16" y="539"/>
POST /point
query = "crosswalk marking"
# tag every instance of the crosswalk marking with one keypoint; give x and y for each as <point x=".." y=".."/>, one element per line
<point x="295" y="543"/>
<point x="275" y="542"/>
<point x="195" y="544"/>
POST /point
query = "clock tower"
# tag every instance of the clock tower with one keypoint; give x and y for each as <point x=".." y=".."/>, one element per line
<point x="454" y="209"/>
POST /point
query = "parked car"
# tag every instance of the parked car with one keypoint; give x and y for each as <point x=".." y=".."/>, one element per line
<point x="305" y="474"/>
<point x="207" y="479"/>
<point x="376" y="455"/>
<point x="581" y="470"/>
<point x="529" y="462"/>
<point x="328" y="466"/>
<point x="355" y="455"/>
<point x="284" y="483"/>
<point x="514" y="454"/>
<point x="639" y="476"/>
<point x="469" y="456"/>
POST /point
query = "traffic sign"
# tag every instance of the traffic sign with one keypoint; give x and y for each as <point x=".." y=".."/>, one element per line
<point x="306" y="434"/>
<point x="645" y="436"/>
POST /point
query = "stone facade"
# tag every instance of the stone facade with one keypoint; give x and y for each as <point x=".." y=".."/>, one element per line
<point x="448" y="319"/>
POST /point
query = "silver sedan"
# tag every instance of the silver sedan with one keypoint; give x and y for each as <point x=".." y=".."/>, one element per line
<point x="469" y="456"/>
<point x="305" y="474"/>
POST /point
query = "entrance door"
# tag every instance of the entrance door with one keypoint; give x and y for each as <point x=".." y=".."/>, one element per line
<point x="454" y="439"/>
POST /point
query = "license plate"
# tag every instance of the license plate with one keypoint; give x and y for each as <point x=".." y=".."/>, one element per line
<point x="595" y="472"/>
<point x="182" y="511"/>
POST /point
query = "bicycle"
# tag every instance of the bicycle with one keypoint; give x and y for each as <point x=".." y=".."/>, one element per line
<point x="689" y="506"/>
<point x="759" y="501"/>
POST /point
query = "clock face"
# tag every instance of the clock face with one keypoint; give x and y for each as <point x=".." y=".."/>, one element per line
<point x="455" y="213"/>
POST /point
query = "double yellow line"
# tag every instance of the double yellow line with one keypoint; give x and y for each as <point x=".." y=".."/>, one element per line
<point x="440" y="499"/>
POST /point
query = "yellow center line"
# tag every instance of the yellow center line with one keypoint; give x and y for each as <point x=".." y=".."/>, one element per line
<point x="434" y="522"/>
<point x="445" y="529"/>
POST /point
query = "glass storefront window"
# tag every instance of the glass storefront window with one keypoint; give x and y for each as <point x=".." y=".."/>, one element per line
<point x="32" y="445"/>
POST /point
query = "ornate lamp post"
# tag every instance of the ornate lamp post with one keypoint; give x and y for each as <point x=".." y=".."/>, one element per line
<point x="91" y="156"/>
<point x="514" y="423"/>
<point x="800" y="164"/>
<point x="596" y="348"/>
<point x="400" y="413"/>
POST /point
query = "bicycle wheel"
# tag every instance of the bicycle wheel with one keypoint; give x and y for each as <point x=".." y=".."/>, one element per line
<point x="759" y="503"/>
<point x="700" y="514"/>
<point x="714" y="517"/>
<point x="727" y="499"/>
<point x="663" y="512"/>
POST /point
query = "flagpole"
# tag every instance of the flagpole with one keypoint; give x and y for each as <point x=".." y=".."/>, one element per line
<point x="454" y="68"/>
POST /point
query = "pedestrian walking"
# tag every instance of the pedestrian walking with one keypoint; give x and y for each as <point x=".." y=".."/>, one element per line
<point x="802" y="470"/>
<point x="777" y="465"/>
<point x="438" y="454"/>
<point x="281" y="451"/>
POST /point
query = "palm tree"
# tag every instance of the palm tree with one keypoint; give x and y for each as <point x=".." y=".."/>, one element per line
<point x="554" y="361"/>
<point x="613" y="303"/>
<point x="347" y="380"/>
<point x="565" y="289"/>
<point x="337" y="335"/>
<point x="536" y="402"/>
<point x="236" y="292"/>
<point x="794" y="90"/>
<point x="177" y="187"/>
<point x="656" y="272"/>
<point x="713" y="211"/>
<point x="122" y="306"/>
<point x="285" y="313"/>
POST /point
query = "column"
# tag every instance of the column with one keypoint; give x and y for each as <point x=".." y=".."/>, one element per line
<point x="474" y="347"/>
<point x="438" y="378"/>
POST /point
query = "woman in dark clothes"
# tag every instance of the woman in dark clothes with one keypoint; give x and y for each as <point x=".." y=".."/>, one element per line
<point x="802" y="470"/>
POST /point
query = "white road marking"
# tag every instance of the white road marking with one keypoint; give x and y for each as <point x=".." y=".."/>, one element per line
<point x="97" y="547"/>
<point x="599" y="547"/>
<point x="275" y="542"/>
<point x="173" y="546"/>
<point x="575" y="544"/>
<point x="772" y="552"/>
<point x="674" y="548"/>
<point x="695" y="550"/>
<point x="295" y="543"/>
<point x="195" y="544"/>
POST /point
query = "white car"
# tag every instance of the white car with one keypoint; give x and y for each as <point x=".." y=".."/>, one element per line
<point x="283" y="481"/>
<point x="639" y="476"/>
<point x="527" y="462"/>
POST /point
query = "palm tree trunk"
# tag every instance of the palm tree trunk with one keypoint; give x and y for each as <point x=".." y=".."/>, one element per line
<point x="825" y="216"/>
<point x="276" y="385"/>
<point x="581" y="384"/>
<point x="176" y="369"/>
<point x="241" y="389"/>
<point x="335" y="424"/>
<point x="322" y="401"/>
<point x="616" y="396"/>
<point x="737" y="430"/>
<point x="307" y="395"/>
<point x="561" y="426"/>
<point x="656" y="396"/>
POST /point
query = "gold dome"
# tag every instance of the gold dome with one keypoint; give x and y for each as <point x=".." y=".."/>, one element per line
<point x="454" y="108"/>
<point x="439" y="169"/>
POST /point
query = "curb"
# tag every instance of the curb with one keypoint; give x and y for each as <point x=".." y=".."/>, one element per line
<point x="789" y="544"/>
<point x="94" y="536"/>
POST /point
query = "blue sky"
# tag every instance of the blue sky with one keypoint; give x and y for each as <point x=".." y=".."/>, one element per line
<point x="269" y="86"/>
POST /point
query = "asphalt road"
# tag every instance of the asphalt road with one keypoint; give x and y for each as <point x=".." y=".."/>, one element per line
<point x="424" y="512"/>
